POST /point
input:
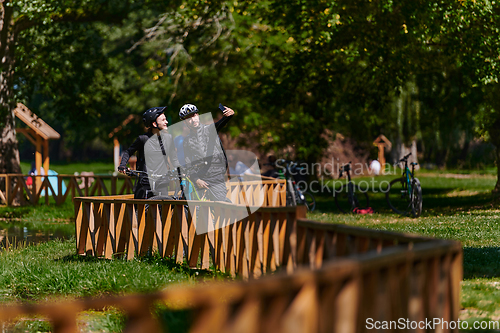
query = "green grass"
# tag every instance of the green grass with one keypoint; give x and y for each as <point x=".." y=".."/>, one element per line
<point x="52" y="269"/>
<point x="455" y="207"/>
<point x="103" y="168"/>
<point x="459" y="208"/>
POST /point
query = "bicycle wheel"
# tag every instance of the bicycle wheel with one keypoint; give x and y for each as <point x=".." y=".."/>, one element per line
<point x="346" y="200"/>
<point x="416" y="200"/>
<point x="397" y="196"/>
<point x="310" y="201"/>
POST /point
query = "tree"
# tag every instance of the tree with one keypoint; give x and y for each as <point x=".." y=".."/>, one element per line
<point x="22" y="20"/>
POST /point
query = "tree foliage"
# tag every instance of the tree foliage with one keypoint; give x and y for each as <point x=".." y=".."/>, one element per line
<point x="290" y="69"/>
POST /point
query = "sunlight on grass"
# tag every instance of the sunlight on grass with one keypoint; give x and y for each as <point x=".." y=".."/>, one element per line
<point x="455" y="206"/>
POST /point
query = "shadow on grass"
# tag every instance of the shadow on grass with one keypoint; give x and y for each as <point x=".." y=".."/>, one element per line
<point x="174" y="320"/>
<point x="481" y="262"/>
<point x="169" y="262"/>
<point x="434" y="200"/>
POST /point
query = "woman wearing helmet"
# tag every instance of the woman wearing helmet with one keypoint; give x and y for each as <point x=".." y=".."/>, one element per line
<point x="196" y="148"/>
<point x="156" y="122"/>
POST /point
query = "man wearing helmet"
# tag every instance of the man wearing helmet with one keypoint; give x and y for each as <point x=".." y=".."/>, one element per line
<point x="203" y="144"/>
<point x="152" y="149"/>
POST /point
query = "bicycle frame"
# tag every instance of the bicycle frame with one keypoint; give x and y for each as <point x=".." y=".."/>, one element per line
<point x="408" y="175"/>
<point x="350" y="186"/>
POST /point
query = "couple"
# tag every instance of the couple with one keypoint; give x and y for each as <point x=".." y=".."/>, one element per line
<point x="201" y="144"/>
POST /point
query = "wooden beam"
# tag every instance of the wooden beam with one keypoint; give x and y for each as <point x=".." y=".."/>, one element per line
<point x="38" y="162"/>
<point x="29" y="133"/>
<point x="46" y="161"/>
<point x="3" y="197"/>
<point x="35" y="123"/>
<point x="116" y="144"/>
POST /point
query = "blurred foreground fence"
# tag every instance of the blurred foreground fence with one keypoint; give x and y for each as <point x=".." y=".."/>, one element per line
<point x="327" y="278"/>
<point x="61" y="187"/>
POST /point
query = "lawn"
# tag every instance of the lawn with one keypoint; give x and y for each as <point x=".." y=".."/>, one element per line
<point x="456" y="206"/>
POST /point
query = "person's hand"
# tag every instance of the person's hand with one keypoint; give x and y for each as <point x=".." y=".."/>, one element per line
<point x="228" y="112"/>
<point x="123" y="170"/>
<point x="202" y="183"/>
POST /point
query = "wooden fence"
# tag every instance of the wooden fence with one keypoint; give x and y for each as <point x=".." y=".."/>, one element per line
<point x="272" y="191"/>
<point x="330" y="278"/>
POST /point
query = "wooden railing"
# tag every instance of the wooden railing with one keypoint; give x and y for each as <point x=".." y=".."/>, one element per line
<point x="264" y="192"/>
<point x="108" y="227"/>
<point x="14" y="185"/>
<point x="271" y="192"/>
<point x="341" y="297"/>
<point x="330" y="278"/>
<point x="240" y="243"/>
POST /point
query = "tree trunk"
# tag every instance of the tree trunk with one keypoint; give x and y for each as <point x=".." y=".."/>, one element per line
<point x="496" y="190"/>
<point x="494" y="132"/>
<point x="9" y="153"/>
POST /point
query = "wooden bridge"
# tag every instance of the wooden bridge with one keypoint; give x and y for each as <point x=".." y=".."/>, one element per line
<point x="326" y="277"/>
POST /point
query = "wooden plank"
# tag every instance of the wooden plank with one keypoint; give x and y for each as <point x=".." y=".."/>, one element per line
<point x="320" y="248"/>
<point x="246" y="319"/>
<point x="36" y="123"/>
<point x="79" y="218"/>
<point x="8" y="197"/>
<point x="95" y="228"/>
<point x="168" y="219"/>
<point x="84" y="228"/>
<point x="123" y="228"/>
<point x="347" y="306"/>
<point x="132" y="214"/>
<point x="110" y="232"/>
<point x="89" y="247"/>
<point x="149" y="230"/>
<point x="302" y="314"/>
<point x="194" y="241"/>
<point x="2" y="197"/>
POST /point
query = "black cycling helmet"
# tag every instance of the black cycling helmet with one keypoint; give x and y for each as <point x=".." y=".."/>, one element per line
<point x="149" y="117"/>
<point x="187" y="110"/>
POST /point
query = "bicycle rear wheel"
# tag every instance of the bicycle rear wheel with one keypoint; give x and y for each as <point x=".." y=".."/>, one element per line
<point x="310" y="201"/>
<point x="416" y="200"/>
<point x="346" y="200"/>
<point x="397" y="196"/>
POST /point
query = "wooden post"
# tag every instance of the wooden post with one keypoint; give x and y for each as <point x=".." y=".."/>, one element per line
<point x="46" y="156"/>
<point x="381" y="142"/>
<point x="116" y="153"/>
<point x="38" y="162"/>
<point x="381" y="156"/>
<point x="7" y="190"/>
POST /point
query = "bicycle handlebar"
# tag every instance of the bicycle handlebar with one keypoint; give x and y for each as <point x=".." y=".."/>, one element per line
<point x="404" y="159"/>
<point x="345" y="168"/>
<point x="135" y="173"/>
<point x="173" y="174"/>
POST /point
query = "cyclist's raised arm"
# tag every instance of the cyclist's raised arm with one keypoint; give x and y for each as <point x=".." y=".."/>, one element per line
<point x="136" y="145"/>
<point x="225" y="119"/>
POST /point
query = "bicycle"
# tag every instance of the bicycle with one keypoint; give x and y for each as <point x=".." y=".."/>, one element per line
<point x="350" y="196"/>
<point x="294" y="195"/>
<point x="184" y="187"/>
<point x="404" y="194"/>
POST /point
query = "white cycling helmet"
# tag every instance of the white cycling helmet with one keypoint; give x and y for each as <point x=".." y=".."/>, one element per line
<point x="187" y="110"/>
